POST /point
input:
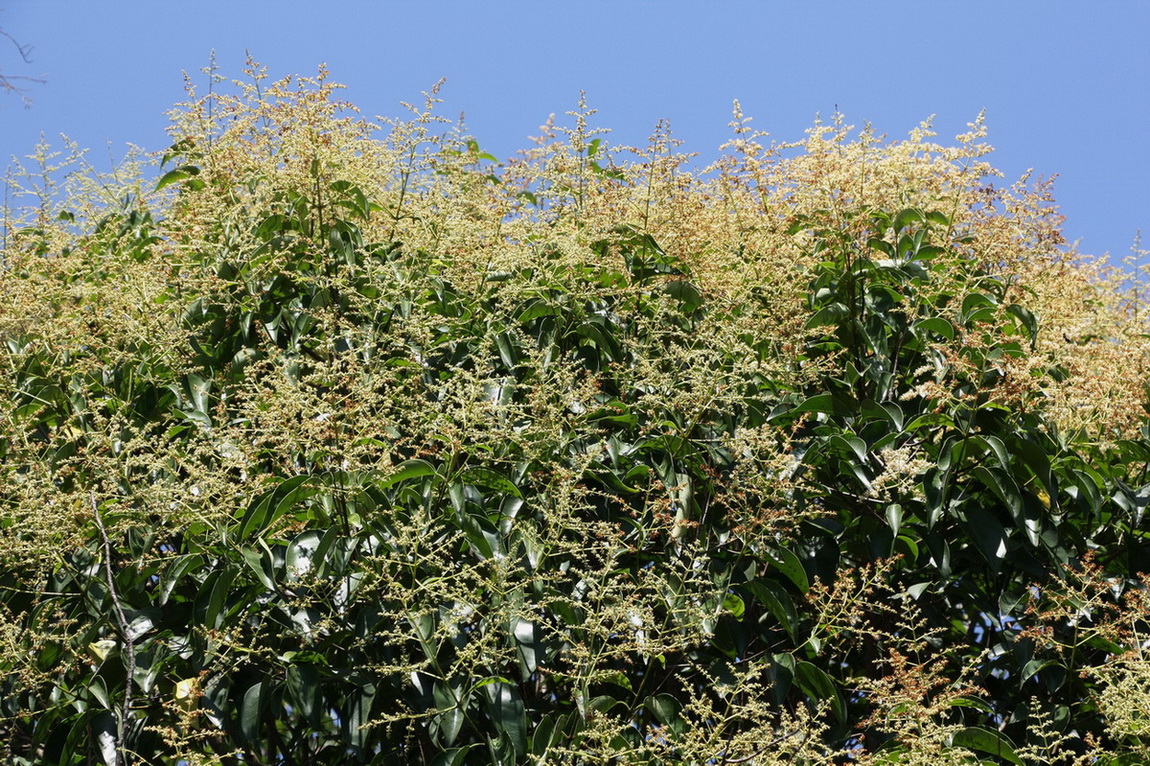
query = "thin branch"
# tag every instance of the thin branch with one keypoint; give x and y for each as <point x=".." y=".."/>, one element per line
<point x="25" y="50"/>
<point x="7" y="82"/>
<point x="129" y="649"/>
<point x="5" y="78"/>
<point x="18" y="83"/>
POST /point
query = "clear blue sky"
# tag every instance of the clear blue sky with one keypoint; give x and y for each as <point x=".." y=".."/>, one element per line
<point x="1066" y="85"/>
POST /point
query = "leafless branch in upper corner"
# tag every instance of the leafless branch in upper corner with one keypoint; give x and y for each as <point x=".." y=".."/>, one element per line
<point x="18" y="83"/>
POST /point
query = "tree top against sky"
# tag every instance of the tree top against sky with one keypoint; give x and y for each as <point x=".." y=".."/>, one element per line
<point x="1059" y="82"/>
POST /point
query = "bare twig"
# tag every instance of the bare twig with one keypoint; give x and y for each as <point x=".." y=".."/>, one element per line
<point x="18" y="83"/>
<point x="25" y="50"/>
<point x="129" y="649"/>
<point x="7" y="81"/>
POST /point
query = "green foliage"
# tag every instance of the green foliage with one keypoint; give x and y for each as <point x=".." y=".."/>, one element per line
<point x="280" y="486"/>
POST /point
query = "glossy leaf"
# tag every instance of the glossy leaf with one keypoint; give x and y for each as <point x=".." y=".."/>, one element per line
<point x="986" y="741"/>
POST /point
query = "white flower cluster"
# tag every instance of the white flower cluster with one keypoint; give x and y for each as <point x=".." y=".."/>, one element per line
<point x="899" y="479"/>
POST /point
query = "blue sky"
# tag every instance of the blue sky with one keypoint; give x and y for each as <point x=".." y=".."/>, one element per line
<point x="1065" y="85"/>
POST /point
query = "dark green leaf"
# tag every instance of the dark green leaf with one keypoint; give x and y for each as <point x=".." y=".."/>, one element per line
<point x="789" y="565"/>
<point x="988" y="534"/>
<point x="251" y="712"/>
<point x="456" y="756"/>
<point x="665" y="707"/>
<point x="409" y="469"/>
<point x="489" y="479"/>
<point x="817" y="685"/>
<point x="986" y="741"/>
<point x="778" y="603"/>
<point x="507" y="712"/>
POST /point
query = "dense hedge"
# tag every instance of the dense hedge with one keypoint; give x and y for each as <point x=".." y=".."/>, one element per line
<point x="338" y="449"/>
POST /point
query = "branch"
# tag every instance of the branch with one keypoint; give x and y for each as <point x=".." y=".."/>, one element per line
<point x="125" y="631"/>
<point x="12" y="83"/>
<point x="6" y="81"/>
<point x="25" y="50"/>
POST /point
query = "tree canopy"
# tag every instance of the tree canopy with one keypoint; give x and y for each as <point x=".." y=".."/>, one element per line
<point x="337" y="443"/>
